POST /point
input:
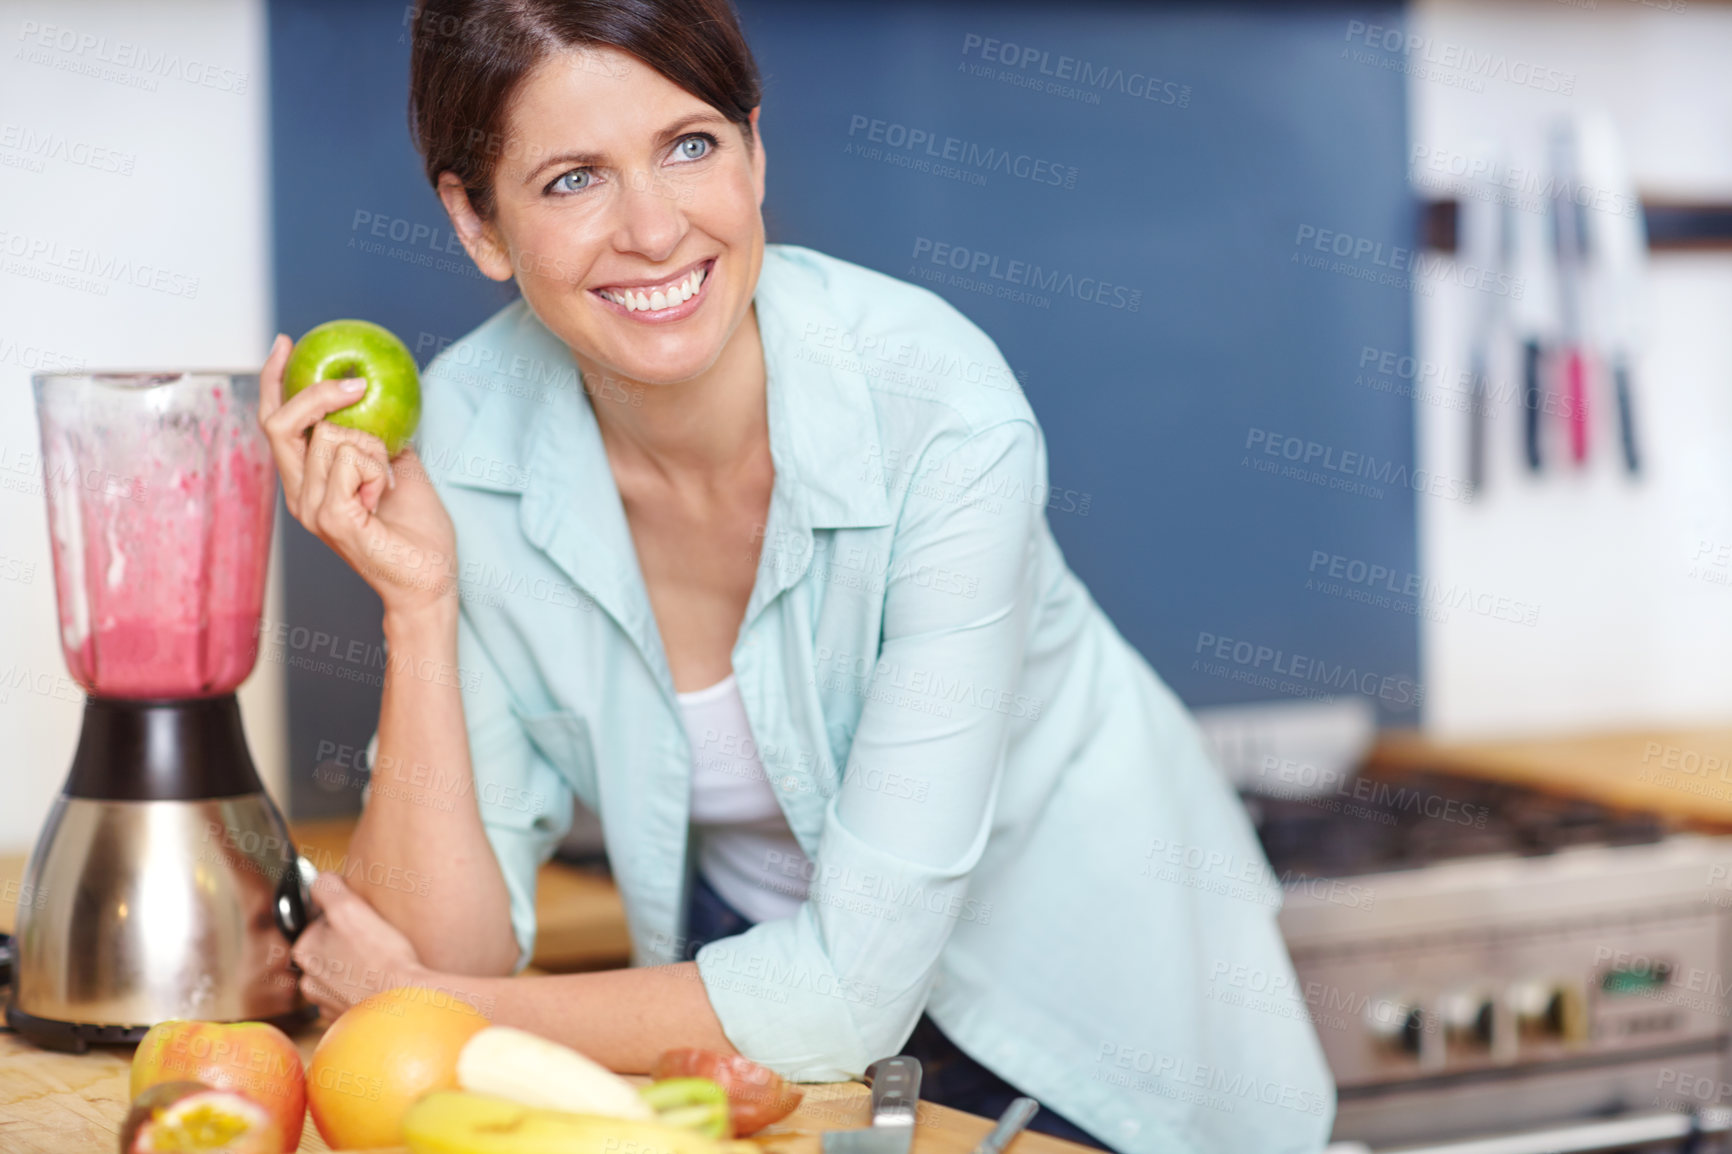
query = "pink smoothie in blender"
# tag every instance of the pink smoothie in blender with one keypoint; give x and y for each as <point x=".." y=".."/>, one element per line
<point x="160" y="494"/>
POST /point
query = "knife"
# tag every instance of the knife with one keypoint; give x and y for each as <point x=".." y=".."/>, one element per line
<point x="1487" y="247"/>
<point x="1617" y="247"/>
<point x="1570" y="240"/>
<point x="1533" y="317"/>
<point x="895" y="1096"/>
<point x="1010" y="1124"/>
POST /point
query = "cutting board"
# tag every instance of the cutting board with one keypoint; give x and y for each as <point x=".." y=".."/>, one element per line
<point x="74" y="1104"/>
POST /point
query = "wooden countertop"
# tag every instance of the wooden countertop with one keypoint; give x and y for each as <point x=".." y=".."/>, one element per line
<point x="1684" y="774"/>
<point x="54" y="1103"/>
<point x="74" y="1104"/>
<point x="581" y="918"/>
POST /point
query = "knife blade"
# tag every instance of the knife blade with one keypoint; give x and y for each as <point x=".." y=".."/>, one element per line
<point x="1486" y="248"/>
<point x="895" y="1098"/>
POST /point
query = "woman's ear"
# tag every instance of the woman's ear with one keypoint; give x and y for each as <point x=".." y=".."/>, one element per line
<point x="480" y="239"/>
<point x="757" y="153"/>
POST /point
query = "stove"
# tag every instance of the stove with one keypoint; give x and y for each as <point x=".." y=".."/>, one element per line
<point x="1481" y="959"/>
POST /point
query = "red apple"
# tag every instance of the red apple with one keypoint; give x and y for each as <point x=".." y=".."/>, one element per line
<point x="253" y="1059"/>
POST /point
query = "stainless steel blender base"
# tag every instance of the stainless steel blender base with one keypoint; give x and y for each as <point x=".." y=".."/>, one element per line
<point x="142" y="911"/>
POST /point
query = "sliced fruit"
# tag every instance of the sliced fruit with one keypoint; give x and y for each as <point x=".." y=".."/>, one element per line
<point x="152" y="1101"/>
<point x="698" y="1104"/>
<point x="757" y="1095"/>
<point x="251" y="1058"/>
<point x="530" y="1070"/>
<point x="458" y="1122"/>
<point x="187" y="1117"/>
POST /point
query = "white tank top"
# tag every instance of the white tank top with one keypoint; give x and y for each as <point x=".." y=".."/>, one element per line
<point x="745" y="849"/>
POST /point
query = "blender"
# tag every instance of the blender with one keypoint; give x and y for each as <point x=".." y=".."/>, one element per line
<point x="164" y="883"/>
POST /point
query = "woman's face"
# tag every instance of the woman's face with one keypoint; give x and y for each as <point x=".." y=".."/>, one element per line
<point x="629" y="211"/>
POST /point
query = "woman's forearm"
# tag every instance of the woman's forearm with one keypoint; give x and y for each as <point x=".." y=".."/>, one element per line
<point x="420" y="855"/>
<point x="621" y="1018"/>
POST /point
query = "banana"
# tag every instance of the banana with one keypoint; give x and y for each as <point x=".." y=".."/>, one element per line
<point x="532" y="1071"/>
<point x="460" y="1122"/>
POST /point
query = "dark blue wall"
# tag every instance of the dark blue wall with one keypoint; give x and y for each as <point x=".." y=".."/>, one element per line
<point x="1158" y="393"/>
<point x="1194" y="199"/>
<point x="358" y="232"/>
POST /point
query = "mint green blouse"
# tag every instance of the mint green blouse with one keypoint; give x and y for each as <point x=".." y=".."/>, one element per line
<point x="1012" y="823"/>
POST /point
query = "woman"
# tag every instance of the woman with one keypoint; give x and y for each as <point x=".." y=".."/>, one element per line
<point x="776" y="585"/>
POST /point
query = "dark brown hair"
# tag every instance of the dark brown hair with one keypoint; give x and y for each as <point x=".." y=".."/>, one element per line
<point x="467" y="58"/>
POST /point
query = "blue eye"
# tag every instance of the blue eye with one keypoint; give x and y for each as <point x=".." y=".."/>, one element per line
<point x="694" y="147"/>
<point x="576" y="180"/>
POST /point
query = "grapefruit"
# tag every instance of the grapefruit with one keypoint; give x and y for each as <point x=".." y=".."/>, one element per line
<point x="379" y="1057"/>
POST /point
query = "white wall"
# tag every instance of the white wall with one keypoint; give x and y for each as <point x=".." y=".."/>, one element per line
<point x="136" y="133"/>
<point x="1633" y="625"/>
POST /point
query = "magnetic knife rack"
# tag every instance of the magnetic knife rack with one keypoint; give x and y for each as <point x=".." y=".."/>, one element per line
<point x="1673" y="226"/>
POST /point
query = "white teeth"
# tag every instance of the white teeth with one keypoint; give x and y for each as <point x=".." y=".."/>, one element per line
<point x="678" y="293"/>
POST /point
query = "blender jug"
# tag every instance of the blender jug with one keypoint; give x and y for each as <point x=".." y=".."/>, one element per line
<point x="164" y="884"/>
<point x="160" y="498"/>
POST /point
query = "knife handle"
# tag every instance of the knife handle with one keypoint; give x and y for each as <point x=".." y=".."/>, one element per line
<point x="895" y="1090"/>
<point x="1010" y="1124"/>
<point x="1531" y="401"/>
<point x="1576" y="389"/>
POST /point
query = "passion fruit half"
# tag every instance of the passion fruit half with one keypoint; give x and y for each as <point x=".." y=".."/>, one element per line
<point x="191" y="1117"/>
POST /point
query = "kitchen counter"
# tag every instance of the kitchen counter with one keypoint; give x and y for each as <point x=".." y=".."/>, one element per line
<point x="74" y="1104"/>
<point x="54" y="1103"/>
<point x="582" y="921"/>
<point x="1683" y="774"/>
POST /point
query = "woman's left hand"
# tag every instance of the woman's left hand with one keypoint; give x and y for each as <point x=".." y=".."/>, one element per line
<point x="351" y="953"/>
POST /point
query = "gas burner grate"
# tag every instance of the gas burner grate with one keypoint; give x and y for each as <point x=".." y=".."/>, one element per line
<point x="1376" y="824"/>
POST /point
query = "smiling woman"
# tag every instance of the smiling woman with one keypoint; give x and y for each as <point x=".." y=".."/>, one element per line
<point x="670" y="165"/>
<point x="875" y="773"/>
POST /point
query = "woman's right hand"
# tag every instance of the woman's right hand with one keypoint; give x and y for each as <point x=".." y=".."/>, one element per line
<point x="380" y="516"/>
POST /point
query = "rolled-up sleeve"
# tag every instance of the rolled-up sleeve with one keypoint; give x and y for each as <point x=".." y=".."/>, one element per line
<point x="820" y="995"/>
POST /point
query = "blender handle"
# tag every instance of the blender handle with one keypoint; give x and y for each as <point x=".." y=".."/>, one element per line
<point x="6" y="955"/>
<point x="294" y="905"/>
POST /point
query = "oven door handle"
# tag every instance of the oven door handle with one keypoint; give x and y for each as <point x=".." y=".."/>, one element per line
<point x="1612" y="1134"/>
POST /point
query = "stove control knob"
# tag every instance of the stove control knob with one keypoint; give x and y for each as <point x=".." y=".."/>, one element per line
<point x="1467" y="1016"/>
<point x="1397" y="1023"/>
<point x="1548" y="1009"/>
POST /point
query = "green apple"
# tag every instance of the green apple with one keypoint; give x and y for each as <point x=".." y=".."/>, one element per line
<point x="391" y="407"/>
